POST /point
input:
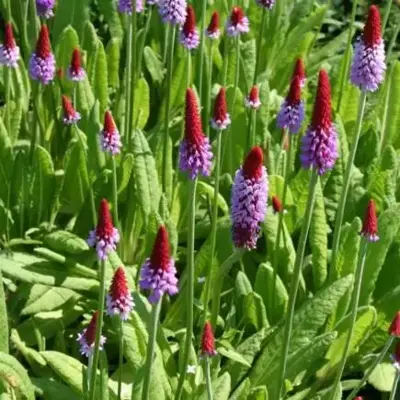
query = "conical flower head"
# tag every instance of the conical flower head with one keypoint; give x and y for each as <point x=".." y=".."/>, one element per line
<point x="190" y="38"/>
<point x="9" y="51"/>
<point x="44" y="8"/>
<point x="276" y="205"/>
<point x="249" y="200"/>
<point x="173" y="11"/>
<point x="221" y="119"/>
<point x="237" y="23"/>
<point x="42" y="65"/>
<point x="71" y="116"/>
<point x="370" y="224"/>
<point x="87" y="338"/>
<point x="213" y="31"/>
<point x="75" y="71"/>
<point x="394" y="329"/>
<point x="119" y="299"/>
<point x="126" y="7"/>
<point x="268" y="4"/>
<point x="291" y="114"/>
<point x="110" y="138"/>
<point x="105" y="237"/>
<point x="208" y="341"/>
<point x="368" y="67"/>
<point x="195" y="150"/>
<point x="253" y="99"/>
<point x="319" y="144"/>
<point x="158" y="273"/>
<point x="299" y="70"/>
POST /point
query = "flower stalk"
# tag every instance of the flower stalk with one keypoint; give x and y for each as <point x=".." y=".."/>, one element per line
<point x="128" y="72"/>
<point x="394" y="388"/>
<point x="202" y="42"/>
<point x="207" y="363"/>
<point x="207" y="106"/>
<point x="260" y="37"/>
<point x="134" y="77"/>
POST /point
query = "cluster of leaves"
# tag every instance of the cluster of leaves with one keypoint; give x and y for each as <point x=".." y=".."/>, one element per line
<point x="48" y="271"/>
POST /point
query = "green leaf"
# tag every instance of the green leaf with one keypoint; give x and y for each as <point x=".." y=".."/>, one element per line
<point x="154" y="65"/>
<point x="51" y="389"/>
<point x="109" y="10"/>
<point x="84" y="97"/>
<point x="242" y="286"/>
<point x="125" y="172"/>
<point x="4" y="330"/>
<point x="6" y="160"/>
<point x="141" y="108"/>
<point x="145" y="174"/>
<point x="382" y="377"/>
<point x="319" y="240"/>
<point x="258" y="393"/>
<point x="221" y="388"/>
<point x="254" y="311"/>
<point x="14" y="375"/>
<point x="308" y="319"/>
<point x="232" y="355"/>
<point x="204" y="188"/>
<point x="66" y="242"/>
<point x="113" y="51"/>
<point x="241" y="391"/>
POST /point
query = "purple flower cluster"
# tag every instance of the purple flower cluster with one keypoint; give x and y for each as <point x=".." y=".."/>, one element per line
<point x="189" y="37"/>
<point x="44" y="8"/>
<point x="125" y="6"/>
<point x="109" y="136"/>
<point x="237" y="23"/>
<point x="87" y="338"/>
<point x="9" y="51"/>
<point x="173" y="11"/>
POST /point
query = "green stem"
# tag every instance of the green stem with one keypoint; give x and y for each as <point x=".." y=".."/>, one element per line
<point x="345" y="71"/>
<point x="294" y="286"/>
<point x="99" y="327"/>
<point x="207" y="106"/>
<point x="208" y="378"/>
<point x="128" y="71"/>
<point x="167" y="109"/>
<point x="7" y="82"/>
<point x="262" y="27"/>
<point x="168" y="28"/>
<point x="356" y="298"/>
<point x="252" y="128"/>
<point x="346" y="184"/>
<point x="377" y="361"/>
<point x="280" y="221"/>
<point x="133" y="75"/>
<point x="392" y="42"/>
<point x="120" y="358"/>
<point x="115" y="192"/>
<point x="214" y="220"/>
<point x="384" y="131"/>
<point x="202" y="41"/>
<point x="151" y="346"/>
<point x="143" y="43"/>
<point x="36" y="96"/>
<point x="394" y="388"/>
<point x="222" y="272"/>
<point x="386" y="17"/>
<point x="190" y="286"/>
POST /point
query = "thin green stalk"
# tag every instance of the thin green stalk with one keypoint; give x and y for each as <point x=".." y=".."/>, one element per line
<point x="168" y="28"/>
<point x="262" y="27"/>
<point x="294" y="285"/>
<point x="280" y="221"/>
<point x="143" y="42"/>
<point x="207" y="106"/>
<point x="226" y="59"/>
<point x="208" y="378"/>
<point x="222" y="272"/>
<point x="120" y="358"/>
<point x="387" y="93"/>
<point x="7" y="73"/>
<point x="377" y="361"/>
<point x="115" y="191"/>
<point x="346" y="184"/>
<point x="128" y="78"/>
<point x="356" y="298"/>
<point x="386" y="17"/>
<point x="190" y="286"/>
<point x="99" y="327"/>
<point x="252" y="128"/>
<point x="392" y="42"/>
<point x="74" y="98"/>
<point x="133" y="75"/>
<point x="213" y="226"/>
<point x="345" y="71"/>
<point x="36" y="96"/>
<point x="151" y="346"/>
<point x="202" y="41"/>
<point x="167" y="109"/>
<point x="394" y="388"/>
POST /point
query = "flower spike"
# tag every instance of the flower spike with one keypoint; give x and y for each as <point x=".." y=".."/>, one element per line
<point x="253" y="99"/>
<point x="44" y="8"/>
<point x="370" y="225"/>
<point x="208" y="341"/>
<point x="87" y="338"/>
<point x="190" y="38"/>
<point x="213" y="32"/>
<point x="9" y="51"/>
<point x="173" y="11"/>
<point x="71" y="116"/>
<point x="394" y="329"/>
<point x="110" y="137"/>
<point x="75" y="71"/>
<point x="221" y="119"/>
<point x="237" y="23"/>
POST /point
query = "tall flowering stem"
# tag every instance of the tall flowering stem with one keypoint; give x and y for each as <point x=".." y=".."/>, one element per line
<point x="387" y="13"/>
<point x="202" y="41"/>
<point x="128" y="79"/>
<point x="133" y="73"/>
<point x="253" y="103"/>
<point x="369" y="233"/>
<point x="260" y="37"/>
<point x="209" y="86"/>
<point x="151" y="346"/>
<point x="207" y="351"/>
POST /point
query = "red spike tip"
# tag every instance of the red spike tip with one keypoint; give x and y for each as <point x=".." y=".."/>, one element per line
<point x="109" y="124"/>
<point x="299" y="70"/>
<point x="76" y="61"/>
<point x="214" y="23"/>
<point x="190" y="22"/>
<point x="370" y="223"/>
<point x="394" y="329"/>
<point x="67" y="105"/>
<point x="372" y="28"/>
<point x="9" y="40"/>
<point x="294" y="95"/>
<point x="119" y="285"/>
<point x="322" y="114"/>
<point x="43" y="46"/>
<point x="252" y="166"/>
<point x="208" y="341"/>
<point x="236" y="15"/>
<point x="105" y="225"/>
<point x="90" y="333"/>
<point x="276" y="205"/>
<point x="161" y="257"/>
<point x="254" y="95"/>
<point x="220" y="106"/>
<point x="193" y="128"/>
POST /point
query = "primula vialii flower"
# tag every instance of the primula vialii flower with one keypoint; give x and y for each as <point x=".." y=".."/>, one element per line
<point x="190" y="38"/>
<point x="87" y="338"/>
<point x="42" y="66"/>
<point x="253" y="99"/>
<point x="173" y="11"/>
<point x="105" y="237"/>
<point x="370" y="224"/>
<point x="213" y="32"/>
<point x="207" y="341"/>
<point x="71" y="116"/>
<point x="221" y="119"/>
<point x="110" y="138"/>
<point x="249" y="200"/>
<point x="237" y="22"/>
<point x="158" y="273"/>
<point x="368" y="68"/>
<point x="195" y="150"/>
<point x="9" y="51"/>
<point x="75" y="71"/>
<point x="394" y="329"/>
<point x="319" y="144"/>
<point x="291" y="114"/>
<point x="277" y="205"/>
<point x="44" y="8"/>
<point x="119" y="299"/>
<point x="126" y="7"/>
<point x="300" y="71"/>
